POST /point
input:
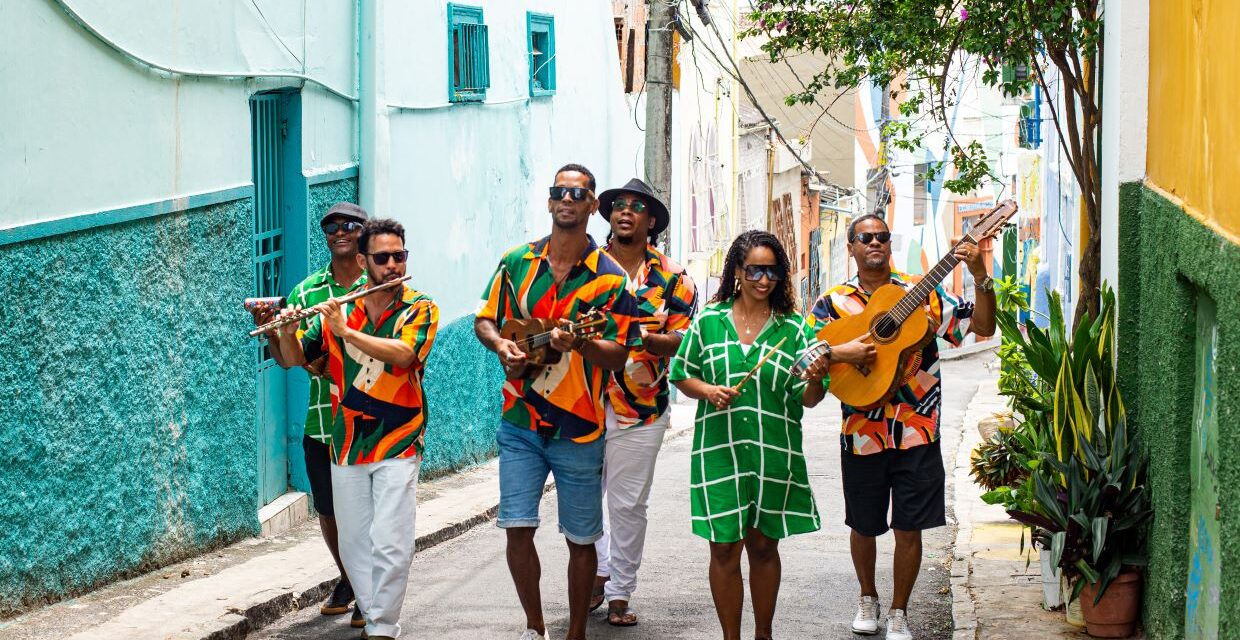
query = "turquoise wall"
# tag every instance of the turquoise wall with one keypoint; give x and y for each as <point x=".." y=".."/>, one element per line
<point x="462" y="384"/>
<point x="1167" y="259"/>
<point x="129" y="411"/>
<point x="130" y="426"/>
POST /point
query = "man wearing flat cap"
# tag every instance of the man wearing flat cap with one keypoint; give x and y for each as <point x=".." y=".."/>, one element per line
<point x="636" y="404"/>
<point x="341" y="226"/>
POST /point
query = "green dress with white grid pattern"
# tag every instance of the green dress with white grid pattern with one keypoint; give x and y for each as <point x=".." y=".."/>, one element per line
<point x="748" y="469"/>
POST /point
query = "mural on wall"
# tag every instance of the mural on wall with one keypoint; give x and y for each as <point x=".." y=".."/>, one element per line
<point x="784" y="226"/>
<point x="1204" y="564"/>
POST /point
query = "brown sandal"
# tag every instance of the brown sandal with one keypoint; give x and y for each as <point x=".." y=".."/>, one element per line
<point x="621" y="616"/>
<point x="596" y="597"/>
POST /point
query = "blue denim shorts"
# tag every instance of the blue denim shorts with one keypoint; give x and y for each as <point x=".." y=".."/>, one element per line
<point x="525" y="459"/>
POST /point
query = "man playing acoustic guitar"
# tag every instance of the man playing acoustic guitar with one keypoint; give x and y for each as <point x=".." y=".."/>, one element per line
<point x="553" y="416"/>
<point x="891" y="452"/>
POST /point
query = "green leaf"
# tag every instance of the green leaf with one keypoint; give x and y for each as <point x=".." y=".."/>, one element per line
<point x="1099" y="537"/>
<point x="1058" y="540"/>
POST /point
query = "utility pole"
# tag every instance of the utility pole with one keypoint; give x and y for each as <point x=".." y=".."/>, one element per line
<point x="660" y="14"/>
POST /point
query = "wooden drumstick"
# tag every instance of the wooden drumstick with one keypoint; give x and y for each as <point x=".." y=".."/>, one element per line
<point x="761" y="362"/>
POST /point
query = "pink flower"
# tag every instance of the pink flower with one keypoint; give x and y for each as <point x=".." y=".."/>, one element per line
<point x="783" y="24"/>
<point x="964" y="14"/>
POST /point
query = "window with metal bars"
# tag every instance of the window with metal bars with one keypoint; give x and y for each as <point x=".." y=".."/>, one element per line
<point x="469" y="65"/>
<point x="541" y="30"/>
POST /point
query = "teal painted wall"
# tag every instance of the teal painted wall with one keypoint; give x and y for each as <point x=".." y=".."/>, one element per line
<point x="129" y="400"/>
<point x="1166" y="258"/>
<point x="462" y="384"/>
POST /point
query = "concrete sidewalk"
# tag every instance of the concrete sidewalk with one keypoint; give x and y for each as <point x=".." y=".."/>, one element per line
<point x="996" y="590"/>
<point x="233" y="591"/>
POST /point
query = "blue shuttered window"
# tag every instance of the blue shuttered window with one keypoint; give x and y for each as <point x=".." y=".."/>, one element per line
<point x="540" y="28"/>
<point x="469" y="64"/>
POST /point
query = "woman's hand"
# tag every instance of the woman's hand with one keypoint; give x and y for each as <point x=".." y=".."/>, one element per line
<point x="818" y="369"/>
<point x="721" y="396"/>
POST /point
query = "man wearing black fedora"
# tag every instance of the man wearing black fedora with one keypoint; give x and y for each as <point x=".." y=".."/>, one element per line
<point x="637" y="396"/>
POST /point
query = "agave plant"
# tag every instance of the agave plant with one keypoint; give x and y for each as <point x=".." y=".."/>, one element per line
<point x="1089" y="482"/>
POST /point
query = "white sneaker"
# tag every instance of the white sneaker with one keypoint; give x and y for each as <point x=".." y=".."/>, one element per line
<point x="866" y="622"/>
<point x="897" y="625"/>
<point x="531" y="634"/>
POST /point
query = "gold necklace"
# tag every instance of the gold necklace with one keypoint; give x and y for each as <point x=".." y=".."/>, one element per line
<point x="747" y="323"/>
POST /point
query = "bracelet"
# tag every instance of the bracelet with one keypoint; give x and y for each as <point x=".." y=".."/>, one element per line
<point x="578" y="343"/>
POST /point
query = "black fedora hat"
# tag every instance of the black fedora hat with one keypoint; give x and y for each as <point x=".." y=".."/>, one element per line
<point x="637" y="187"/>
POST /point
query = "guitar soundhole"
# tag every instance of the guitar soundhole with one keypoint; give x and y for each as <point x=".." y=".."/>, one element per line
<point x="884" y="328"/>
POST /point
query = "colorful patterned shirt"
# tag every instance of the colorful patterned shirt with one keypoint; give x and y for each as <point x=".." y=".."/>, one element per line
<point x="380" y="410"/>
<point x="911" y="418"/>
<point x="639" y="393"/>
<point x="316" y="288"/>
<point x="564" y="399"/>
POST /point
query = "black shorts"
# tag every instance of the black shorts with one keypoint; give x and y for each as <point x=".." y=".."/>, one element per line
<point x="910" y="481"/>
<point x="319" y="468"/>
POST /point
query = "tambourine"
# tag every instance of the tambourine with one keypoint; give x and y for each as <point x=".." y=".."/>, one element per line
<point x="811" y="355"/>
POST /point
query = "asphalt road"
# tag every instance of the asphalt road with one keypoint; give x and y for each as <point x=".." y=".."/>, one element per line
<point x="461" y="590"/>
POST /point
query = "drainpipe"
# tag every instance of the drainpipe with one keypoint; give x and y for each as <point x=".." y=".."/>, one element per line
<point x="374" y="139"/>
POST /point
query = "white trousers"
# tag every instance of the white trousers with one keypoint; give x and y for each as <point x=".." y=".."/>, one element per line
<point x="376" y="505"/>
<point x="628" y="472"/>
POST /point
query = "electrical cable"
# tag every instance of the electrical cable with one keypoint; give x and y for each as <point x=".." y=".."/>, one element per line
<point x="76" y="17"/>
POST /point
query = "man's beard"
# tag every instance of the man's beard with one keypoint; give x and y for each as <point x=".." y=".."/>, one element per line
<point x="567" y="226"/>
<point x="626" y="240"/>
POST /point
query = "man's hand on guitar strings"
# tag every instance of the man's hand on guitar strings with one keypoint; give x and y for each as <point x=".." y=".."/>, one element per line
<point x="973" y="258"/>
<point x="562" y="340"/>
<point x="857" y="352"/>
<point x="509" y="355"/>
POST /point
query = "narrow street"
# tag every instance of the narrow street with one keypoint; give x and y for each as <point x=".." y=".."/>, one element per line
<point x="461" y="589"/>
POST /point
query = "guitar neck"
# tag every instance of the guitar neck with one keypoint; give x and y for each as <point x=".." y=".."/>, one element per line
<point x="917" y="296"/>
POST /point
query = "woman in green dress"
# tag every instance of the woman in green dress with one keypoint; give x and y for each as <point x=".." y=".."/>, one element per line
<point x="748" y="483"/>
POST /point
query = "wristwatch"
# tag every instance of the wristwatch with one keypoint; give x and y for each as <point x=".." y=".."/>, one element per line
<point x="985" y="284"/>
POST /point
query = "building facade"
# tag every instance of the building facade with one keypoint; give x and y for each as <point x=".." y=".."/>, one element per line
<point x="165" y="161"/>
<point x="1172" y="239"/>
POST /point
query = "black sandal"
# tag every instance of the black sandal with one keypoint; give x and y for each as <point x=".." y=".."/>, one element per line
<point x="596" y="597"/>
<point x="627" y="617"/>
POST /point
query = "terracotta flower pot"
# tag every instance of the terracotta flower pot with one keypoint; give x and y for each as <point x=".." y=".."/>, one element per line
<point x="1115" y="616"/>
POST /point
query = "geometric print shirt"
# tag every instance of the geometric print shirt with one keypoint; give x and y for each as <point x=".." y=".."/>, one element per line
<point x="563" y="400"/>
<point x="380" y="409"/>
<point x="911" y="417"/>
<point x="747" y="468"/>
<point x="639" y="392"/>
<point x="317" y="288"/>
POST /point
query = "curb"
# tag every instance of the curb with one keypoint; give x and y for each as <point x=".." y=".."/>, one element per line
<point x="956" y="353"/>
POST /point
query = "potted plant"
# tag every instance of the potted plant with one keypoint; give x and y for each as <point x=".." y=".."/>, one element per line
<point x="1089" y="486"/>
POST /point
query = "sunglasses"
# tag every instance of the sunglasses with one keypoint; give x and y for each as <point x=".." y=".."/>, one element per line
<point x="576" y="193"/>
<point x="754" y="272"/>
<point x="636" y="206"/>
<point x="866" y="237"/>
<point x="381" y="258"/>
<point x="349" y="227"/>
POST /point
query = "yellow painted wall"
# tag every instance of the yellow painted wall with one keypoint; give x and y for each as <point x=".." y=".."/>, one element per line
<point x="1194" y="107"/>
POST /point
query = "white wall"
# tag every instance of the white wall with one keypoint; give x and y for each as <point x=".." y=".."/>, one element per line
<point x="86" y="129"/>
<point x="1126" y="82"/>
<point x="470" y="180"/>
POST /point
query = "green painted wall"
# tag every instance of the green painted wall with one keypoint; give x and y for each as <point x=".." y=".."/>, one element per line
<point x="129" y="400"/>
<point x="1166" y="258"/>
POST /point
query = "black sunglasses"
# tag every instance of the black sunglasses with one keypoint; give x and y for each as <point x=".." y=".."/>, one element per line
<point x="866" y="237"/>
<point x="754" y="272"/>
<point x="636" y="206"/>
<point x="381" y="257"/>
<point x="349" y="226"/>
<point x="576" y="193"/>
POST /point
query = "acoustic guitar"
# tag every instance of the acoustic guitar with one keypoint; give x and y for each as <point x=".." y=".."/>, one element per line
<point x="533" y="337"/>
<point x="896" y="323"/>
